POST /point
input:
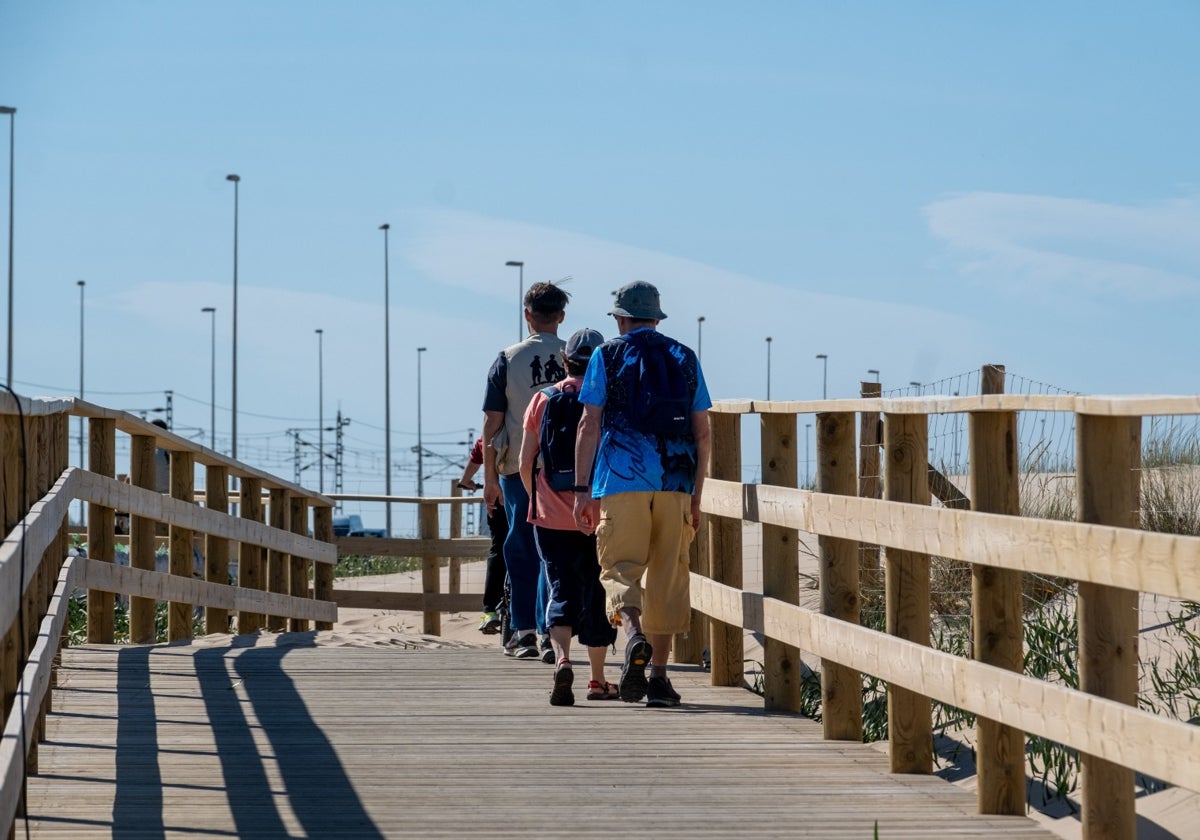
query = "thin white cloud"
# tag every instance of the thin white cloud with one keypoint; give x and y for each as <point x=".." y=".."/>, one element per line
<point x="1137" y="251"/>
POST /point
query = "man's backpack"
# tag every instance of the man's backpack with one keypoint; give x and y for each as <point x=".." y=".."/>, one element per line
<point x="659" y="398"/>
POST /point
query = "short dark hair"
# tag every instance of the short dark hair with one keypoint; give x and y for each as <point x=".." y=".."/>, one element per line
<point x="546" y="299"/>
<point x="161" y="423"/>
<point x="575" y="368"/>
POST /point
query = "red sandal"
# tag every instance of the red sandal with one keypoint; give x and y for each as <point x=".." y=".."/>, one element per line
<point x="602" y="691"/>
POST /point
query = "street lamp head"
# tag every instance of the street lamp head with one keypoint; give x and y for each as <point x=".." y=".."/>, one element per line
<point x="209" y="309"/>
<point x="80" y="283"/>
<point x="515" y="263"/>
<point x="319" y="331"/>
<point x="234" y="178"/>
<point x="384" y="226"/>
<point x="822" y="356"/>
<point x="700" y="320"/>
<point x="420" y="349"/>
<point x="768" y="339"/>
<point x="7" y="109"/>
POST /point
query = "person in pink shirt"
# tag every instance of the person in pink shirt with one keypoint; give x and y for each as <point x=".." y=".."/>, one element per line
<point x="575" y="605"/>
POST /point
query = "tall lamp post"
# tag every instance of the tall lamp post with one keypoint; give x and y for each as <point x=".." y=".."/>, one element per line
<point x="387" y="385"/>
<point x="824" y="375"/>
<point x="12" y="136"/>
<point x="875" y="372"/>
<point x="420" y="442"/>
<point x="236" y="179"/>
<point x="699" y="336"/>
<point x="321" y="410"/>
<point x="212" y="388"/>
<point x="520" y="266"/>
<point x="80" y="284"/>
<point x="768" y="367"/>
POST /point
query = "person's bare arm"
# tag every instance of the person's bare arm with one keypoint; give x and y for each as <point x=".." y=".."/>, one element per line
<point x="529" y="453"/>
<point x="467" y="482"/>
<point x="702" y="432"/>
<point x="493" y="421"/>
<point x="587" y="440"/>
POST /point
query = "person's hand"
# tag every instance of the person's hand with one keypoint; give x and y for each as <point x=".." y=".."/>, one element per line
<point x="695" y="512"/>
<point x="587" y="513"/>
<point x="469" y="485"/>
<point x="492" y="495"/>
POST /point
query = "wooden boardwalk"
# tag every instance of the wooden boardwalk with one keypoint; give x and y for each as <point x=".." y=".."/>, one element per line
<point x="266" y="740"/>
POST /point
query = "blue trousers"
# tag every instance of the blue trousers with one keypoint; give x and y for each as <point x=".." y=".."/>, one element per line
<point x="526" y="578"/>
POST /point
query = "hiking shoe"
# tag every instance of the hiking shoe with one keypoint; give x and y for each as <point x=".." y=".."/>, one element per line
<point x="561" y="694"/>
<point x="522" y="646"/>
<point x="547" y="650"/>
<point x="489" y="625"/>
<point x="633" y="673"/>
<point x="661" y="694"/>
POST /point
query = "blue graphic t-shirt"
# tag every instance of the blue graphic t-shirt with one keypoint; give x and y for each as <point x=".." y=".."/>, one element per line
<point x="629" y="460"/>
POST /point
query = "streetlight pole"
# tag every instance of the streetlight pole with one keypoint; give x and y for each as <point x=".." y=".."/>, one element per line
<point x="212" y="388"/>
<point x="768" y="367"/>
<point x="520" y="266"/>
<point x="824" y="375"/>
<point x="420" y="443"/>
<point x="321" y="410"/>
<point x="236" y="179"/>
<point x="387" y="384"/>
<point x="80" y="284"/>
<point x="699" y="336"/>
<point x="12" y="136"/>
<point x="874" y="372"/>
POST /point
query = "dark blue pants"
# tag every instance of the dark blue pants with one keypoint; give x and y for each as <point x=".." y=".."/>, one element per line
<point x="575" y="597"/>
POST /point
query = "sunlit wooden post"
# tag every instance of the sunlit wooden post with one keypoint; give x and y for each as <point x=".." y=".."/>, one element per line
<point x="1108" y="486"/>
<point x="251" y="565"/>
<point x="728" y="647"/>
<point x="323" y="573"/>
<point x="277" y="561"/>
<point x="10" y="506"/>
<point x="841" y="687"/>
<point x="997" y="629"/>
<point x="870" y="483"/>
<point x="780" y="562"/>
<point x="298" y="566"/>
<point x="456" y="517"/>
<point x="430" y="571"/>
<point x="182" y="549"/>
<point x="102" y="460"/>
<point x="906" y="479"/>
<point x="216" y="549"/>
<point x="142" y="546"/>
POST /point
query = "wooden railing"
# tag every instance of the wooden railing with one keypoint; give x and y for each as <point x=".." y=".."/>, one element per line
<point x="37" y="577"/>
<point x="1104" y="551"/>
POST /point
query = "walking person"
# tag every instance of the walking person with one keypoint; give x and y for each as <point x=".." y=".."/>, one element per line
<point x="645" y="422"/>
<point x="497" y="522"/>
<point x="575" y="605"/>
<point x="510" y="386"/>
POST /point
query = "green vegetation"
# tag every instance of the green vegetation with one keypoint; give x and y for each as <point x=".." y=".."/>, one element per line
<point x="357" y="565"/>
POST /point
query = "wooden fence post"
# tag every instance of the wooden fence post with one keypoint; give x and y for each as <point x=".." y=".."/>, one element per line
<point x="142" y="546"/>
<point x="456" y="516"/>
<point x="430" y="571"/>
<point x="1108" y="485"/>
<point x="11" y="502"/>
<point x="997" y="628"/>
<point x="216" y="549"/>
<point x="841" y="687"/>
<point x="277" y="561"/>
<point x="906" y="479"/>
<point x="323" y="573"/>
<point x="251" y="570"/>
<point x="102" y="460"/>
<point x="870" y="483"/>
<point x="298" y="566"/>
<point x="780" y="562"/>
<point x="182" y="547"/>
<point x="728" y="647"/>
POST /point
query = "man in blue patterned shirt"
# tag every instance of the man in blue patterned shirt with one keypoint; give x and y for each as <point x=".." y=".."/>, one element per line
<point x="644" y="438"/>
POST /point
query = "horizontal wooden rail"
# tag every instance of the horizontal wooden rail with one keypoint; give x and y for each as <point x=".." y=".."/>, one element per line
<point x="161" y="586"/>
<point x="1165" y="564"/>
<point x="410" y="500"/>
<point x="20" y="730"/>
<point x="407" y="547"/>
<point x="1101" y="406"/>
<point x="30" y="539"/>
<point x="406" y="601"/>
<point x="147" y="503"/>
<point x="1165" y="749"/>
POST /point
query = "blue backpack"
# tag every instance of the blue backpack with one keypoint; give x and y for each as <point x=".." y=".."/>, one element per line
<point x="659" y="398"/>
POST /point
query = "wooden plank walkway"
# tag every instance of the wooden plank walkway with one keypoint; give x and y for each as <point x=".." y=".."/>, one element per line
<point x="273" y="740"/>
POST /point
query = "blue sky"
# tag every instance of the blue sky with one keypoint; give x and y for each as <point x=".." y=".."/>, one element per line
<point x="913" y="187"/>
